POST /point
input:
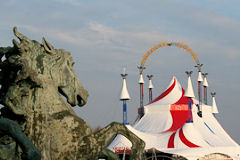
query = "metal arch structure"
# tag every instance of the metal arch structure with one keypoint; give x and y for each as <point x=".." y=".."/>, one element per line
<point x="163" y="44"/>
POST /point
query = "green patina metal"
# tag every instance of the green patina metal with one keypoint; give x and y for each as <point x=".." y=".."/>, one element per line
<point x="33" y="77"/>
<point x="8" y="144"/>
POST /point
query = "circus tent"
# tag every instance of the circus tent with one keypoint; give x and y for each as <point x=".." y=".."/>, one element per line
<point x="164" y="127"/>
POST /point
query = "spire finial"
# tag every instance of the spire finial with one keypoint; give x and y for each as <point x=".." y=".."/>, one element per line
<point x="214" y="105"/>
<point x="205" y="75"/>
<point x="205" y="82"/>
<point x="150" y="81"/>
<point x="189" y="73"/>
<point x="213" y="94"/>
<point x="199" y="67"/>
<point x="189" y="91"/>
<point x="124" y="75"/>
<point x="124" y="94"/>
<point x="200" y="79"/>
<point x="141" y="68"/>
<point x="150" y="87"/>
<point x="150" y="77"/>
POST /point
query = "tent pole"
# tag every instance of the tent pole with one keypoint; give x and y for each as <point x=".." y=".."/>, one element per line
<point x="200" y="80"/>
<point x="141" y="83"/>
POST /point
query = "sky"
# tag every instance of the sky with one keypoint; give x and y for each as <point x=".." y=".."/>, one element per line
<point x="106" y="36"/>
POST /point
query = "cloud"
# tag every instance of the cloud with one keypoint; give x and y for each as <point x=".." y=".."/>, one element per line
<point x="131" y="40"/>
<point x="202" y="28"/>
<point x="73" y="37"/>
<point x="111" y="39"/>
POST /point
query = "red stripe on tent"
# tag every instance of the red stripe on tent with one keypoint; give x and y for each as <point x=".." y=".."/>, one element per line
<point x="183" y="100"/>
<point x="186" y="141"/>
<point x="165" y="93"/>
<point x="171" y="140"/>
<point x="179" y="113"/>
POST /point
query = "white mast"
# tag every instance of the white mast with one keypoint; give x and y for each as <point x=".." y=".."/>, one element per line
<point x="200" y="79"/>
<point x="150" y="87"/>
<point x="141" y="83"/>
<point x="189" y="94"/>
<point x="205" y="85"/>
<point x="124" y="97"/>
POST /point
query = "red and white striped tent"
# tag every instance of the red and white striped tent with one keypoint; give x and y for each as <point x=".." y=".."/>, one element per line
<point x="164" y="128"/>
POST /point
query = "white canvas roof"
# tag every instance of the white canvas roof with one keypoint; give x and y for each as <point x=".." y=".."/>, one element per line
<point x="164" y="127"/>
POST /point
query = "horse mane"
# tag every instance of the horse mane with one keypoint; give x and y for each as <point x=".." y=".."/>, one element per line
<point x="27" y="61"/>
<point x="26" y="56"/>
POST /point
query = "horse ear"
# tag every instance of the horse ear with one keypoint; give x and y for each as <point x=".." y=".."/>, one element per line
<point x="19" y="35"/>
<point x="48" y="47"/>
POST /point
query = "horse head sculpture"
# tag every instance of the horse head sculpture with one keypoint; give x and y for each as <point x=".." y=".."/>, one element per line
<point x="34" y="78"/>
<point x="39" y="65"/>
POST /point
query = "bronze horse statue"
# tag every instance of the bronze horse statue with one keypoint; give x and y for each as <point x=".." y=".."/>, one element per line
<point x="34" y="78"/>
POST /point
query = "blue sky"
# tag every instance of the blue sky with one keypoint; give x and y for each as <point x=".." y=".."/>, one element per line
<point x="105" y="36"/>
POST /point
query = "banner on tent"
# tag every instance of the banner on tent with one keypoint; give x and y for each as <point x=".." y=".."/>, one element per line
<point x="122" y="150"/>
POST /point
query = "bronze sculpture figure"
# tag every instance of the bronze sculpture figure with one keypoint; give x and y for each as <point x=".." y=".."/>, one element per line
<point x="34" y="77"/>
